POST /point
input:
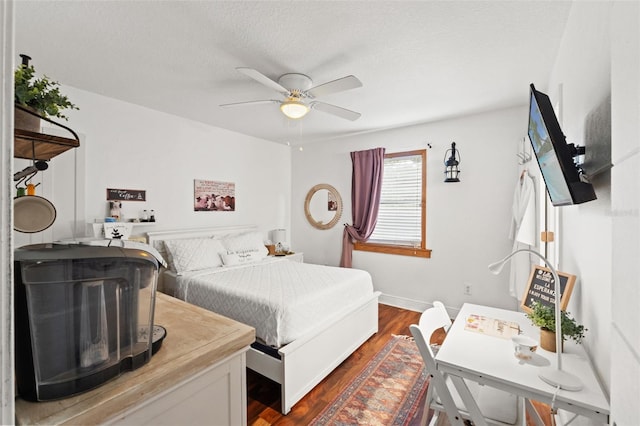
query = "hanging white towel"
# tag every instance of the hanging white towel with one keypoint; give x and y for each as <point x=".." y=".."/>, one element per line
<point x="526" y="210"/>
<point x="522" y="231"/>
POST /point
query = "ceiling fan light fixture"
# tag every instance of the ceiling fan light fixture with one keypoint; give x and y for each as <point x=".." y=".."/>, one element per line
<point x="293" y="108"/>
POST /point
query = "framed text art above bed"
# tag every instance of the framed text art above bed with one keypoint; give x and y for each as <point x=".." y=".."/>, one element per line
<point x="210" y="195"/>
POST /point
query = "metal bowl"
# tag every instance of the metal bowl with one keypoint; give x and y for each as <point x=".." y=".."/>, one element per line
<point x="32" y="213"/>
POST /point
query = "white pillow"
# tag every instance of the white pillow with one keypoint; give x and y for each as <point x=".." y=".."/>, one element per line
<point x="192" y="254"/>
<point x="240" y="258"/>
<point x="248" y="242"/>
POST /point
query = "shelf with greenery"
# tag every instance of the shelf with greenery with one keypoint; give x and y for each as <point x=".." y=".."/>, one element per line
<point x="41" y="94"/>
<point x="39" y="99"/>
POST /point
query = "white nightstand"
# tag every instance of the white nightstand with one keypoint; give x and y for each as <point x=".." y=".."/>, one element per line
<point x="294" y="257"/>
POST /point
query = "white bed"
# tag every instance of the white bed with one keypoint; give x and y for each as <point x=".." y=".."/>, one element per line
<point x="309" y="339"/>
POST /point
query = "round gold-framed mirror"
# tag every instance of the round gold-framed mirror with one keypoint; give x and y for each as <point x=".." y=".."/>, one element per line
<point x="323" y="206"/>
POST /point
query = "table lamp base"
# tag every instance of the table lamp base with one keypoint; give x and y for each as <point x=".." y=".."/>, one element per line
<point x="564" y="380"/>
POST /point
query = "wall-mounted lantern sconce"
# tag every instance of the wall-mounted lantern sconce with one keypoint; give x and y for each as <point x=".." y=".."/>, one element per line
<point x="451" y="170"/>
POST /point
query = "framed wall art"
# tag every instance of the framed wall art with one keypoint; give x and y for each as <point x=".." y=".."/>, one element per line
<point x="210" y="195"/>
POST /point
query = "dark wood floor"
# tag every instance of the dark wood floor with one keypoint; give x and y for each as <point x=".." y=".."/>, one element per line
<point x="264" y="395"/>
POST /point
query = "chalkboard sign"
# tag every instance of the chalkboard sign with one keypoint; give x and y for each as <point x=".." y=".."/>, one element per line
<point x="540" y="288"/>
<point x="126" y="195"/>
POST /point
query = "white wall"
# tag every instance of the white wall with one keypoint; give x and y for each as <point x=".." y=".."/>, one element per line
<point x="600" y="240"/>
<point x="467" y="222"/>
<point x="131" y="147"/>
<point x="625" y="213"/>
<point x="581" y="80"/>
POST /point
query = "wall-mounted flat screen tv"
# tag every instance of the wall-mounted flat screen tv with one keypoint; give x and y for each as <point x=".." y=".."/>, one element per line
<point x="564" y="182"/>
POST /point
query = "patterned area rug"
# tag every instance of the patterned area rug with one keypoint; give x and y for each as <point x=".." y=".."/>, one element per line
<point x="389" y="391"/>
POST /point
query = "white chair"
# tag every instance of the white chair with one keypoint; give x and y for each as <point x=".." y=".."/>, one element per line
<point x="497" y="407"/>
<point x="438" y="304"/>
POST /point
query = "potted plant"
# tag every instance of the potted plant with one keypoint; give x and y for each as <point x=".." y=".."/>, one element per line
<point x="40" y="95"/>
<point x="543" y="316"/>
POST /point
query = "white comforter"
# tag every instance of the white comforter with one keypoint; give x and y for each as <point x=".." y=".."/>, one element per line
<point x="281" y="299"/>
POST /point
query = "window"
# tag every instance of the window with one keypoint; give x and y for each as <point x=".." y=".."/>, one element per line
<point x="401" y="226"/>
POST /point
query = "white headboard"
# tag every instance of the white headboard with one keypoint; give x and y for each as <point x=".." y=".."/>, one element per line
<point x="157" y="239"/>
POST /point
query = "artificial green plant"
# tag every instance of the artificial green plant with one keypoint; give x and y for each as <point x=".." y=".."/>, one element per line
<point x="544" y="317"/>
<point x="41" y="94"/>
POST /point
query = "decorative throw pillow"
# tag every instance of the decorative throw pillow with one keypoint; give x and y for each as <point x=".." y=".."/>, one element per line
<point x="166" y="255"/>
<point x="192" y="254"/>
<point x="240" y="258"/>
<point x="248" y="242"/>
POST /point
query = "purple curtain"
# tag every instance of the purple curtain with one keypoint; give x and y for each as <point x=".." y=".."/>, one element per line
<point x="366" y="183"/>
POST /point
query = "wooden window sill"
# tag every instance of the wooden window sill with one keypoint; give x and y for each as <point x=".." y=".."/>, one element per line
<point x="388" y="249"/>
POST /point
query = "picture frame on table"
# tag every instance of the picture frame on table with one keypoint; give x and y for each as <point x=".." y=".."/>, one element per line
<point x="540" y="288"/>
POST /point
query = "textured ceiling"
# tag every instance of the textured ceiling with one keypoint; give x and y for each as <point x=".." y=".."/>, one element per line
<point x="418" y="61"/>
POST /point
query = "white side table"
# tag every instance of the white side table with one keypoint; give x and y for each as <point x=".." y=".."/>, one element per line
<point x="294" y="257"/>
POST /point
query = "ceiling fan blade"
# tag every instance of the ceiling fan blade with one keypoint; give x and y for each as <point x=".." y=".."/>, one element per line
<point x="335" y="110"/>
<point x="339" y="85"/>
<point x="263" y="79"/>
<point x="235" y="104"/>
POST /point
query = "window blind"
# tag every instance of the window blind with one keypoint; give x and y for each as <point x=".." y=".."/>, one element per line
<point x="400" y="212"/>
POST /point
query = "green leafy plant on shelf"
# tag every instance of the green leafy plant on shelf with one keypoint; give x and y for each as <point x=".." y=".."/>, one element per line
<point x="41" y="94"/>
<point x="544" y="317"/>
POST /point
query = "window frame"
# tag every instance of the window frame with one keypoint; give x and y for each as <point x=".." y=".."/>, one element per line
<point x="421" y="251"/>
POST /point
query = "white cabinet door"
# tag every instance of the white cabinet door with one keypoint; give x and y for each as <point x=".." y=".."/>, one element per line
<point x="217" y="396"/>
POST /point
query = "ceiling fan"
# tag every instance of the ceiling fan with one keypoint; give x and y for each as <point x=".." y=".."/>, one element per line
<point x="299" y="94"/>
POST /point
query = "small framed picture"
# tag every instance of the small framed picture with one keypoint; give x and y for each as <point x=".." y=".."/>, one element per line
<point x="540" y="288"/>
<point x="332" y="203"/>
<point x="126" y="194"/>
<point x="117" y="230"/>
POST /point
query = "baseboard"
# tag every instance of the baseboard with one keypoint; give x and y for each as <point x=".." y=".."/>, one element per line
<point x="411" y="304"/>
<point x="401" y="302"/>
